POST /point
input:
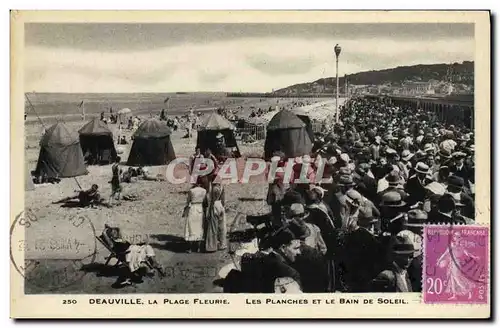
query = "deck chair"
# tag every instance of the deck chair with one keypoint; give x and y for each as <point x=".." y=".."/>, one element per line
<point x="112" y="254"/>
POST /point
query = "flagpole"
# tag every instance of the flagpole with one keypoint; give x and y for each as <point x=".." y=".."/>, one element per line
<point x="83" y="110"/>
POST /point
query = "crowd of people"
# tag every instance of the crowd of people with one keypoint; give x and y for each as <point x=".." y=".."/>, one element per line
<point x="389" y="171"/>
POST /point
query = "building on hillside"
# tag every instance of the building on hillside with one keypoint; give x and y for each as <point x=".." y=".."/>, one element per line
<point x="417" y="88"/>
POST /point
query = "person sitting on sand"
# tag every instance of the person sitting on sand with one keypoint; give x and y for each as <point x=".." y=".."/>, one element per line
<point x="137" y="257"/>
<point x="90" y="197"/>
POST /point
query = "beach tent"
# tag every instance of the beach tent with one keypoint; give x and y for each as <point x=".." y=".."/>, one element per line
<point x="60" y="153"/>
<point x="152" y="144"/>
<point x="308" y="123"/>
<point x="29" y="185"/>
<point x="124" y="111"/>
<point x="97" y="138"/>
<point x="286" y="132"/>
<point x="211" y="125"/>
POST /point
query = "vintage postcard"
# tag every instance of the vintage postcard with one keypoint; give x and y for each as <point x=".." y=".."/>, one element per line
<point x="250" y="164"/>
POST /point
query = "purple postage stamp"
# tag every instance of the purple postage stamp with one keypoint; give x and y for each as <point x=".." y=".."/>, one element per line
<point x="456" y="262"/>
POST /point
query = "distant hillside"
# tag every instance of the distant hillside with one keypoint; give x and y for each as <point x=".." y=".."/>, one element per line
<point x="457" y="72"/>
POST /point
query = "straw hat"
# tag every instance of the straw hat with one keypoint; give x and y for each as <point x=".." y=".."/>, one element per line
<point x="406" y="155"/>
<point x="422" y="168"/>
<point x="436" y="188"/>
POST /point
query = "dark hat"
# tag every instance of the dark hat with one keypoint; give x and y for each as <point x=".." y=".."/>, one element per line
<point x="282" y="236"/>
<point x="446" y="203"/>
<point x="416" y="218"/>
<point x="394" y="178"/>
<point x="444" y="153"/>
<point x="402" y="245"/>
<point x="359" y="144"/>
<point x="392" y="199"/>
<point x="299" y="229"/>
<point x="455" y="181"/>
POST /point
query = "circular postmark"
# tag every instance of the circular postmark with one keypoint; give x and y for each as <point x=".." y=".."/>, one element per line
<point x="463" y="246"/>
<point x="51" y="254"/>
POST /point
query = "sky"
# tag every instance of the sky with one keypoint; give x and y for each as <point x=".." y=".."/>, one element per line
<point x="225" y="57"/>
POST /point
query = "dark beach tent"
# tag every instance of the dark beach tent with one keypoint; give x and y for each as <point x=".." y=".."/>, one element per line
<point x="307" y="122"/>
<point x="286" y="132"/>
<point x="60" y="153"/>
<point x="211" y="125"/>
<point x="29" y="185"/>
<point x="97" y="138"/>
<point x="152" y="145"/>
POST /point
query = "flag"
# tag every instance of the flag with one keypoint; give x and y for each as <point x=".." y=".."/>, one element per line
<point x="81" y="104"/>
<point x="166" y="100"/>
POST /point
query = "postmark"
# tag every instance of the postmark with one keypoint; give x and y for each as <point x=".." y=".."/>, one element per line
<point x="49" y="253"/>
<point x="456" y="261"/>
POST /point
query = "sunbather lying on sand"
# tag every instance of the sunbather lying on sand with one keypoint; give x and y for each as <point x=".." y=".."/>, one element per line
<point x="85" y="198"/>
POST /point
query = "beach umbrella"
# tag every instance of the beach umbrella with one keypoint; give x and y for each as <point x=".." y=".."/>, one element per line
<point x="124" y="111"/>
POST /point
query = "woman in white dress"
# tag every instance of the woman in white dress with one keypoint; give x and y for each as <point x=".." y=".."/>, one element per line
<point x="193" y="213"/>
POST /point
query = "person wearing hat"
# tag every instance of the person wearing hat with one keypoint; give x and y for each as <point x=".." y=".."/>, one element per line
<point x="459" y="168"/>
<point x="311" y="234"/>
<point x="416" y="220"/>
<point x="285" y="247"/>
<point x="456" y="189"/>
<point x="337" y="201"/>
<point x="395" y="278"/>
<point x="220" y="149"/>
<point x="415" y="268"/>
<point x="448" y="143"/>
<point x="369" y="215"/>
<point x="433" y="164"/>
<point x="404" y="164"/>
<point x="441" y="176"/>
<point x="375" y="148"/>
<point x="361" y="258"/>
<point x="444" y="211"/>
<point x="392" y="206"/>
<point x="416" y="183"/>
<point x="444" y="156"/>
<point x="310" y="263"/>
<point x="434" y="192"/>
<point x="275" y="195"/>
<point x="353" y="202"/>
<point x="365" y="184"/>
<point x="321" y="216"/>
<point x="394" y="183"/>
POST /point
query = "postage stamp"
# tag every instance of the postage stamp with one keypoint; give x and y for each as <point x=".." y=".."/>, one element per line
<point x="150" y="180"/>
<point x="456" y="260"/>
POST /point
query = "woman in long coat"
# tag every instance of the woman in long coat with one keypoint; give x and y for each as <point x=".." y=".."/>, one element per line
<point x="215" y="223"/>
<point x="194" y="215"/>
